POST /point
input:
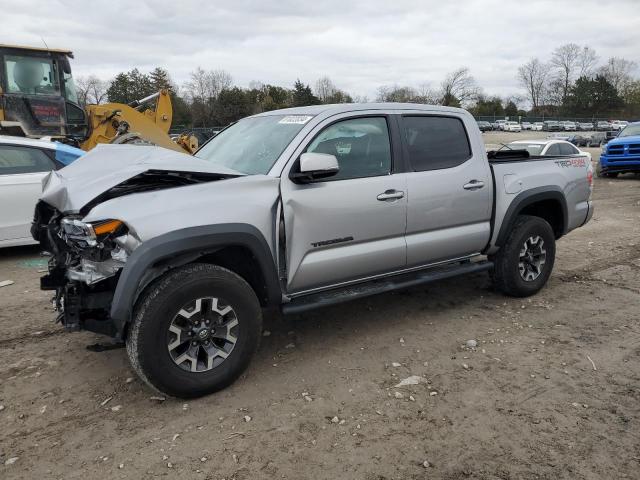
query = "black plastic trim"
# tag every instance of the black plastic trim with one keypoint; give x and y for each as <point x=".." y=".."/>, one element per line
<point x="529" y="197"/>
<point x="187" y="244"/>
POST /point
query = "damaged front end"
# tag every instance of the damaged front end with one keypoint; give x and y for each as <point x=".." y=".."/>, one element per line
<point x="85" y="262"/>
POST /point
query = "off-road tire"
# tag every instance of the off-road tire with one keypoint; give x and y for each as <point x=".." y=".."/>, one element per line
<point x="506" y="271"/>
<point x="155" y="310"/>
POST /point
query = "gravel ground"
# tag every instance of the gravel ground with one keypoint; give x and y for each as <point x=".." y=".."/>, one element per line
<point x="552" y="390"/>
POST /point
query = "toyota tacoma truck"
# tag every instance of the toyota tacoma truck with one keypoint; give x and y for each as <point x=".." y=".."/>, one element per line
<point x="178" y="256"/>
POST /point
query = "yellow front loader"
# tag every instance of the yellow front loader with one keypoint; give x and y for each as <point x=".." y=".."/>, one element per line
<point x="38" y="98"/>
<point x="135" y="123"/>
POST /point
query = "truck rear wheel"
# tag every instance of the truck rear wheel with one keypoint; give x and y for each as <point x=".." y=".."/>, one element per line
<point x="524" y="263"/>
<point x="194" y="330"/>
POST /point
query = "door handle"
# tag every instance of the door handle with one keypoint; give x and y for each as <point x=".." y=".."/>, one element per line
<point x="473" y="185"/>
<point x="390" y="195"/>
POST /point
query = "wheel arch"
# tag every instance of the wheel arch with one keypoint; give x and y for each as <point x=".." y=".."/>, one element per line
<point x="237" y="246"/>
<point x="547" y="203"/>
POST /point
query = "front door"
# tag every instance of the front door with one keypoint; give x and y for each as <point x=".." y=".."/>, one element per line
<point x="349" y="226"/>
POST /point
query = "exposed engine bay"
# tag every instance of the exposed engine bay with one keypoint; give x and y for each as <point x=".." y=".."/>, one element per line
<point x="86" y="258"/>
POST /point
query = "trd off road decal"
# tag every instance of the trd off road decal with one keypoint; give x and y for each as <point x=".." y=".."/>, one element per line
<point x="571" y="162"/>
<point x="331" y="242"/>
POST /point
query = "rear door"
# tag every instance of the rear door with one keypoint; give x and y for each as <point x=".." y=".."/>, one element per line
<point x="450" y="189"/>
<point x="350" y="226"/>
<point x="21" y="172"/>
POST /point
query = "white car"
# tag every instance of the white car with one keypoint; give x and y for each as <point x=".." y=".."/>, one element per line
<point x="550" y="147"/>
<point x="512" y="127"/>
<point x="569" y="126"/>
<point x="24" y="163"/>
<point x="526" y="126"/>
<point x="537" y="126"/>
<point x="618" y="124"/>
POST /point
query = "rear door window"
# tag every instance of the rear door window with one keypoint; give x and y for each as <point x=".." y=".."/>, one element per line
<point x="434" y="142"/>
<point x="15" y="160"/>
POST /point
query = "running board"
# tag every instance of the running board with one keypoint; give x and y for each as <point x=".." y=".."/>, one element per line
<point x="332" y="297"/>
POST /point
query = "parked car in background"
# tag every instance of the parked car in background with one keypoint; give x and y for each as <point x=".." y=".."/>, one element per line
<point x="621" y="154"/>
<point x="499" y="124"/>
<point x="512" y="127"/>
<point x="603" y="126"/>
<point x="537" y="126"/>
<point x="484" y="126"/>
<point x="526" y="126"/>
<point x="618" y="124"/>
<point x="24" y="163"/>
<point x="549" y="147"/>
<point x="569" y="126"/>
<point x="597" y="138"/>
<point x="550" y="126"/>
<point x="585" y="126"/>
<point x="579" y="140"/>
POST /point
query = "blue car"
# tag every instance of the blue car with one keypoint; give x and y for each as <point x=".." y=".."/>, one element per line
<point x="621" y="154"/>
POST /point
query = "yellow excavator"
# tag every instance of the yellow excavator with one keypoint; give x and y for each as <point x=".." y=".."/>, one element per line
<point x="38" y="98"/>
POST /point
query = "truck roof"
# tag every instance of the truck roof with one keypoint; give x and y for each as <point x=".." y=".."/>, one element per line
<point x="37" y="49"/>
<point x="350" y="107"/>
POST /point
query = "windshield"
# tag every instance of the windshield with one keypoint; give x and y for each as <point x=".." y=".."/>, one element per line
<point x="253" y="144"/>
<point x="630" y="131"/>
<point x="532" y="148"/>
<point x="31" y="75"/>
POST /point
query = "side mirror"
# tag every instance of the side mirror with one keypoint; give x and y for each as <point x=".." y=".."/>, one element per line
<point x="315" y="166"/>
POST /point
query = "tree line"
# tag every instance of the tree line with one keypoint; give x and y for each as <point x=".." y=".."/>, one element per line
<point x="572" y="82"/>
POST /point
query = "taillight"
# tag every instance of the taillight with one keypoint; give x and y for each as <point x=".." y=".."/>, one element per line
<point x="590" y="177"/>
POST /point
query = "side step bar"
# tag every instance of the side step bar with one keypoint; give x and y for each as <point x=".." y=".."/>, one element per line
<point x="332" y="297"/>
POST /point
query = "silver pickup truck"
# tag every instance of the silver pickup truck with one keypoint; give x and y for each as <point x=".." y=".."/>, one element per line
<point x="177" y="256"/>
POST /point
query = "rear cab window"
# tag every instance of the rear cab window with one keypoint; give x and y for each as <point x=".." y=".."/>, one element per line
<point x="435" y="142"/>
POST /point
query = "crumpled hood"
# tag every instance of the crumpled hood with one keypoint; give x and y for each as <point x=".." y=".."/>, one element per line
<point x="106" y="166"/>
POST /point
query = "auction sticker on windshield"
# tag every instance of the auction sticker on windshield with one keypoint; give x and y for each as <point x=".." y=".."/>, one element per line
<point x="296" y="119"/>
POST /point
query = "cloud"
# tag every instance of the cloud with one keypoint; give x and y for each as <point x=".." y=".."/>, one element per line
<point x="359" y="44"/>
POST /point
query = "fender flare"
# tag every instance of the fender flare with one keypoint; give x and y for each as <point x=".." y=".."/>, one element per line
<point x="179" y="247"/>
<point x="527" y="198"/>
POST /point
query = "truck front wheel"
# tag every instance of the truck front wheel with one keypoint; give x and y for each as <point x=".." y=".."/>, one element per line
<point x="524" y="263"/>
<point x="194" y="330"/>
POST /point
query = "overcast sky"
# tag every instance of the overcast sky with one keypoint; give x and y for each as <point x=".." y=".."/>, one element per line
<point x="359" y="44"/>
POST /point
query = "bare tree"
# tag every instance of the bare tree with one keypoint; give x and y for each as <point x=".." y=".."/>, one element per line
<point x="566" y="61"/>
<point x="533" y="78"/>
<point x="396" y="93"/>
<point x="202" y="90"/>
<point x="618" y="72"/>
<point x="206" y="85"/>
<point x="587" y="61"/>
<point x="458" y="87"/>
<point x="325" y="89"/>
<point x="91" y="90"/>
<point x="427" y="95"/>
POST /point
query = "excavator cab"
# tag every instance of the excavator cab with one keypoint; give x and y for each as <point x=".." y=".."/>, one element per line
<point x="37" y="94"/>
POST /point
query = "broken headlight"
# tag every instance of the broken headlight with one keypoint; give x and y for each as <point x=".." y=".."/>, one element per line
<point x="81" y="234"/>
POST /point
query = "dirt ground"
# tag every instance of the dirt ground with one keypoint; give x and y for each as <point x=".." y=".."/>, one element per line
<point x="526" y="403"/>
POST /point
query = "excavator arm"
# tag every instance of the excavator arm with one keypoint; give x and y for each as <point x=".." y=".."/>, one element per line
<point x="136" y="123"/>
